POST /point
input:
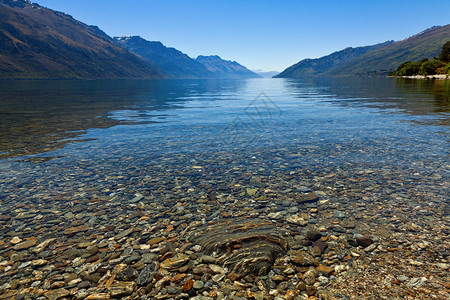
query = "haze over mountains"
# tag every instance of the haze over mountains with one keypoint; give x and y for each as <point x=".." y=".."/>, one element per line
<point x="378" y="59"/>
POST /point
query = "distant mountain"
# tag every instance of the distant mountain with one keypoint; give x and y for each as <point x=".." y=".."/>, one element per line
<point x="426" y="44"/>
<point x="38" y="43"/>
<point x="266" y="74"/>
<point x="172" y="61"/>
<point x="225" y="68"/>
<point x="380" y="60"/>
<point x="311" y="67"/>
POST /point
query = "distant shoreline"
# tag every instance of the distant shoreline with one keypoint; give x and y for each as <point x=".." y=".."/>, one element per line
<point x="440" y="76"/>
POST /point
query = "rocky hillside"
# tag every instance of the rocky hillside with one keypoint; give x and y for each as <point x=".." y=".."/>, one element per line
<point x="38" y="43"/>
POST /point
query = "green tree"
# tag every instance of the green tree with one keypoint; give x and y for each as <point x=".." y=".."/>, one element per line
<point x="429" y="67"/>
<point x="445" y="53"/>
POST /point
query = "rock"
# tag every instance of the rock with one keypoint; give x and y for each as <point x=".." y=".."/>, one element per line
<point x="25" y="245"/>
<point x="320" y="245"/>
<point x="402" y="278"/>
<point x="198" y="285"/>
<point x="364" y="241"/>
<point x="324" y="270"/>
<point x="244" y="245"/>
<point x="120" y="289"/>
<point x="39" y="248"/>
<point x="73" y="230"/>
<point x="307" y="198"/>
<point x="313" y="235"/>
<point x="145" y="276"/>
<point x="188" y="285"/>
<point x="416" y="282"/>
<point x="218" y="277"/>
<point x="129" y="274"/>
<point x="39" y="262"/>
<point x="56" y="294"/>
<point x="303" y="258"/>
<point x="216" y="269"/>
<point x="99" y="296"/>
<point x="338" y="214"/>
<point x="154" y="241"/>
<point x="175" y="262"/>
<point x="278" y="278"/>
<point x="310" y="277"/>
<point x="297" y="220"/>
<point x="15" y="240"/>
<point x="251" y="192"/>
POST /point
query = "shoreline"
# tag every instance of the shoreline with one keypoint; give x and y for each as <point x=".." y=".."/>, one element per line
<point x="440" y="76"/>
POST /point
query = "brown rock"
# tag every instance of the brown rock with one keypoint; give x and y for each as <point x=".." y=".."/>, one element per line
<point x="310" y="197"/>
<point x="303" y="259"/>
<point x="175" y="262"/>
<point x="320" y="245"/>
<point x="364" y="241"/>
<point x="56" y="294"/>
<point x="25" y="245"/>
<point x="73" y="230"/>
<point x="154" y="241"/>
<point x="234" y="276"/>
<point x="99" y="296"/>
<point x="188" y="285"/>
<point x="290" y="295"/>
<point x="324" y="270"/>
<point x="178" y="278"/>
<point x="123" y="288"/>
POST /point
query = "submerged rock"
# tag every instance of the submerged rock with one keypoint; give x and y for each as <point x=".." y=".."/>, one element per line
<point x="244" y="246"/>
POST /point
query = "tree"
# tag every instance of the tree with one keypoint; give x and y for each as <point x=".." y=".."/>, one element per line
<point x="429" y="67"/>
<point x="445" y="52"/>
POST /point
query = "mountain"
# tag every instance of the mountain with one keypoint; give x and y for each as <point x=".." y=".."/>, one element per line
<point x="39" y="43"/>
<point x="380" y="60"/>
<point x="426" y="44"/>
<point x="225" y="68"/>
<point x="172" y="61"/>
<point x="266" y="74"/>
<point x="310" y="67"/>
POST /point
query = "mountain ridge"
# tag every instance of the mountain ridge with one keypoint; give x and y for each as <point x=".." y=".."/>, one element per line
<point x="378" y="61"/>
<point x="225" y="68"/>
<point x="312" y="66"/>
<point x="40" y="43"/>
<point x="171" y="60"/>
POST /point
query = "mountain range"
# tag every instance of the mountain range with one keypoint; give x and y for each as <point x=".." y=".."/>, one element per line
<point x="172" y="61"/>
<point x="180" y="65"/>
<point x="36" y="43"/>
<point x="40" y="43"/>
<point x="225" y="68"/>
<point x="378" y="59"/>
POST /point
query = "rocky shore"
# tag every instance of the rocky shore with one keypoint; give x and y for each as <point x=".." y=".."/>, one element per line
<point x="242" y="233"/>
<point x="438" y="76"/>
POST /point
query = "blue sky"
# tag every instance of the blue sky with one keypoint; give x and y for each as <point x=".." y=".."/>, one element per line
<point x="267" y="35"/>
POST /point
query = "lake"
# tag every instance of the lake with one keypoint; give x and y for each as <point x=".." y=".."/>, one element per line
<point x="125" y="167"/>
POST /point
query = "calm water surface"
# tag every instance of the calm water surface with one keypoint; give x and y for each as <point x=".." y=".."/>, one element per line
<point x="98" y="137"/>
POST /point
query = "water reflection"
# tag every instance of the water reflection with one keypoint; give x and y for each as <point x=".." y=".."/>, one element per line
<point x="414" y="97"/>
<point x="40" y="116"/>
